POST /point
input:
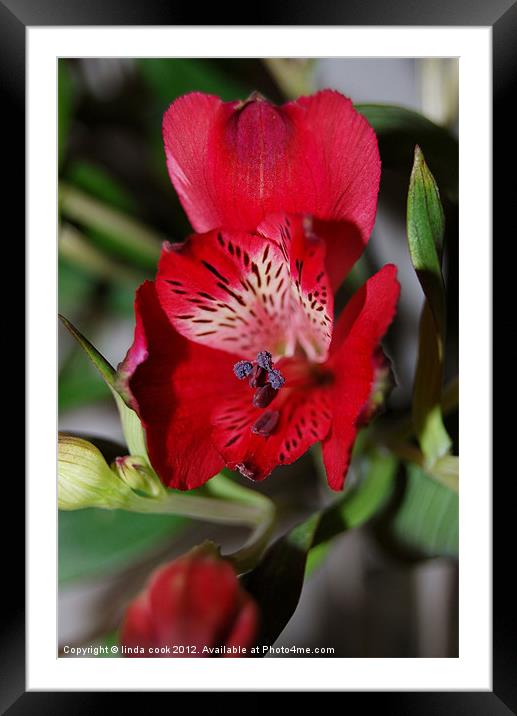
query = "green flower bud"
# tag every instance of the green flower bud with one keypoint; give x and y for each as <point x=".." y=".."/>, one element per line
<point x="136" y="472"/>
<point x="85" y="479"/>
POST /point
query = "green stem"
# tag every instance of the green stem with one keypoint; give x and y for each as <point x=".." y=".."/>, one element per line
<point x="200" y="508"/>
<point x="252" y="550"/>
<point x="244" y="507"/>
<point x="249" y="554"/>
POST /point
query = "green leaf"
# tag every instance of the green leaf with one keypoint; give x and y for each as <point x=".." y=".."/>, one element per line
<point x="399" y="130"/>
<point x="105" y="369"/>
<point x="446" y="471"/>
<point x="427" y="519"/>
<point x="277" y="582"/>
<point x="425" y="230"/>
<point x="98" y="542"/>
<point x="357" y="506"/>
<point x="132" y="429"/>
<point x="131" y="425"/>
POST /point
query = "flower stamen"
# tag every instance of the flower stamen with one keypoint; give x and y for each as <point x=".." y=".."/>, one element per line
<point x="264" y="395"/>
<point x="267" y="381"/>
<point x="266" y="424"/>
<point x="242" y="369"/>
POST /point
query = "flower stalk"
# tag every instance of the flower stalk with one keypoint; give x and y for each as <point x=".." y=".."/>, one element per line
<point x="86" y="480"/>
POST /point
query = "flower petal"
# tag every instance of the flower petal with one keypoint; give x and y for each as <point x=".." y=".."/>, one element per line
<point x="244" y="293"/>
<point x="359" y="331"/>
<point x="349" y="166"/>
<point x="175" y="386"/>
<point x="235" y="163"/>
<point x="194" y="601"/>
<point x="302" y="418"/>
<point x="137" y="627"/>
<point x="312" y="298"/>
<point x="244" y="628"/>
<point x="188" y="126"/>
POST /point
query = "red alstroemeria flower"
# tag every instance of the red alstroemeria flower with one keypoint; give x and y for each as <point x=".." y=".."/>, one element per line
<point x="195" y="601"/>
<point x="236" y="360"/>
<point x="235" y="163"/>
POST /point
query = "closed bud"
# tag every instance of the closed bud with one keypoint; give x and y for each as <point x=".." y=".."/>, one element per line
<point x="85" y="479"/>
<point x="192" y="607"/>
<point x="136" y="472"/>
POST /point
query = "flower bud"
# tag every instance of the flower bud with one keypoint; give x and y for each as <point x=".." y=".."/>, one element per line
<point x="191" y="607"/>
<point x="85" y="479"/>
<point x="136" y="473"/>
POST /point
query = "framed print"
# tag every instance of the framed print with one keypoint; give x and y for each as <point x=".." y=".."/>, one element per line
<point x="258" y="272"/>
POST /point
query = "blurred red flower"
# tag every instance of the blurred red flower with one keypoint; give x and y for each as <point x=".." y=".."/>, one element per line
<point x="192" y="607"/>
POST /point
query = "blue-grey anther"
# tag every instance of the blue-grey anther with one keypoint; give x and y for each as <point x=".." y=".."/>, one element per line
<point x="265" y="360"/>
<point x="275" y="378"/>
<point x="242" y="369"/>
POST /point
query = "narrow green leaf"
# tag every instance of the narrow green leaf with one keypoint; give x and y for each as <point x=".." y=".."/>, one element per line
<point x="131" y="425"/>
<point x="98" y="360"/>
<point x="425" y="231"/>
<point x="317" y="557"/>
<point x="427" y="519"/>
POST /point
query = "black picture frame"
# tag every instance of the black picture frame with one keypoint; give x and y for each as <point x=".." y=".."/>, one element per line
<point x="501" y="15"/>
